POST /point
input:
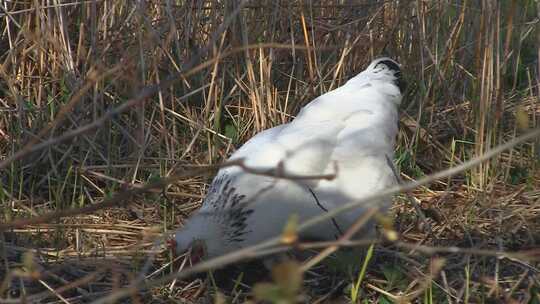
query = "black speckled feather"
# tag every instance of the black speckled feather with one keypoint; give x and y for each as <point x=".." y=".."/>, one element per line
<point x="230" y="208"/>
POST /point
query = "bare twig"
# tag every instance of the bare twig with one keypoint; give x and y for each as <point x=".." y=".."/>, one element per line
<point x="257" y="250"/>
<point x="122" y="198"/>
<point x="358" y="224"/>
<point x="411" y="199"/>
<point x="119" y="199"/>
<point x="424" y="181"/>
<point x="144" y="94"/>
<point x="431" y="250"/>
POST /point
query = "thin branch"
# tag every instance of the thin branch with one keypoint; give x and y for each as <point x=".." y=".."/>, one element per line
<point x="423" y="181"/>
<point x="122" y="198"/>
<point x="431" y="250"/>
<point x="257" y="250"/>
<point x="144" y="94"/>
<point x="119" y="199"/>
<point x="411" y="199"/>
<point x="357" y="225"/>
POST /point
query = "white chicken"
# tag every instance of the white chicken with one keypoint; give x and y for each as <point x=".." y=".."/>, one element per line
<point x="349" y="132"/>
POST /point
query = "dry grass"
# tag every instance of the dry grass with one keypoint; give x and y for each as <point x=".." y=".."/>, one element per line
<point x="100" y="97"/>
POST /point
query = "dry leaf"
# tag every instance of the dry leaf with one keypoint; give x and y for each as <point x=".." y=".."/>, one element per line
<point x="290" y="232"/>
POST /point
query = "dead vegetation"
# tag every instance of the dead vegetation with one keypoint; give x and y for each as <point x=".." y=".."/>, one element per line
<point x="100" y="99"/>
